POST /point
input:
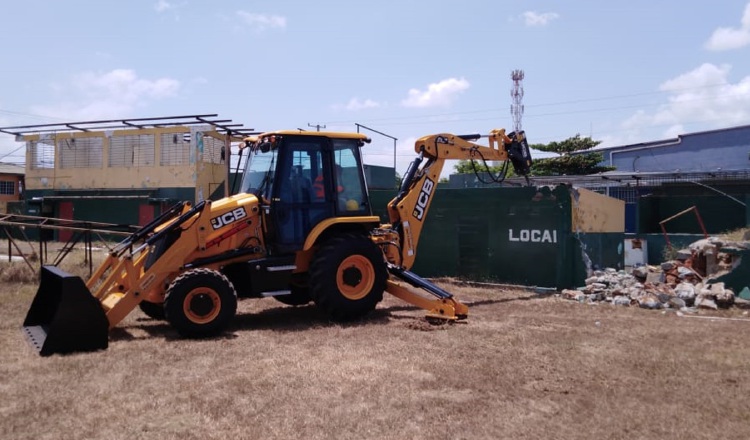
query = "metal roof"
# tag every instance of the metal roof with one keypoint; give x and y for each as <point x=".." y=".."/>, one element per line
<point x="661" y="142"/>
<point x="330" y="134"/>
<point x="224" y="126"/>
<point x="10" y="168"/>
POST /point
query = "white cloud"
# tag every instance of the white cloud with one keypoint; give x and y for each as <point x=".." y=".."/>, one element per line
<point x="113" y="94"/>
<point x="727" y="38"/>
<point x="356" y="104"/>
<point x="162" y="5"/>
<point x="533" y="18"/>
<point x="261" y="22"/>
<point x="440" y="94"/>
<point x="702" y="96"/>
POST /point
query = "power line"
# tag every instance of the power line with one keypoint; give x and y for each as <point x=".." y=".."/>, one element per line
<point x="408" y="121"/>
<point x="29" y="115"/>
<point x="548" y="104"/>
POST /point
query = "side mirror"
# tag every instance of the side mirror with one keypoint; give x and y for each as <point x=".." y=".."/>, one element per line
<point x="265" y="147"/>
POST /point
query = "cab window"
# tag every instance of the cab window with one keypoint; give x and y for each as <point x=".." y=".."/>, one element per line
<point x="352" y="197"/>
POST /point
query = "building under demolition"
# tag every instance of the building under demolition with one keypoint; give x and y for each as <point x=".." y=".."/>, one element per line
<point x="124" y="171"/>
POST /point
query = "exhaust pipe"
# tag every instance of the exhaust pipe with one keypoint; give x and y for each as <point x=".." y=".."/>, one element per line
<point x="64" y="317"/>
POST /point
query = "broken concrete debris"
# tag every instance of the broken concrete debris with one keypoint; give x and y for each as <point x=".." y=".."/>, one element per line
<point x="691" y="281"/>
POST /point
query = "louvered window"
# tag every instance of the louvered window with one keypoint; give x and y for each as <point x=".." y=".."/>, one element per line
<point x="80" y="152"/>
<point x="42" y="154"/>
<point x="131" y="151"/>
<point x="175" y="148"/>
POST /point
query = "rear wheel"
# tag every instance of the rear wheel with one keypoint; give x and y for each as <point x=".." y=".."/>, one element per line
<point x="347" y="277"/>
<point x="200" y="303"/>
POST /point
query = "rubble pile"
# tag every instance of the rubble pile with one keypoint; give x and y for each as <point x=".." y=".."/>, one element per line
<point x="684" y="283"/>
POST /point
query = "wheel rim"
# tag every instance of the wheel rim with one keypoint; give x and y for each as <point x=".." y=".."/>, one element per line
<point x="355" y="277"/>
<point x="202" y="305"/>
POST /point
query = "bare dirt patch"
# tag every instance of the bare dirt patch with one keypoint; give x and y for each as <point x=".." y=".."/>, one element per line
<point x="522" y="366"/>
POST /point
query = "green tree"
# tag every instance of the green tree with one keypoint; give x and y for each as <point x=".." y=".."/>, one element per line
<point x="566" y="163"/>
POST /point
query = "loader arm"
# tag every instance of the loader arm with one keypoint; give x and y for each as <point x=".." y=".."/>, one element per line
<point x="68" y="315"/>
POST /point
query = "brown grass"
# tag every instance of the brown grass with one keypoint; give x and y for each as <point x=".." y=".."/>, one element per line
<point x="523" y="366"/>
<point x="75" y="262"/>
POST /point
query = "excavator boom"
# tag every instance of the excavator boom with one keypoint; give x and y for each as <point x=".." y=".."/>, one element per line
<point x="407" y="212"/>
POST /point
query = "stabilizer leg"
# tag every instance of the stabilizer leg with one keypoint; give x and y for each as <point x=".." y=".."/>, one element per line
<point x="443" y="306"/>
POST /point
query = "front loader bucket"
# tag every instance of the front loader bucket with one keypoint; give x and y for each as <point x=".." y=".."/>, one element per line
<point x="64" y="317"/>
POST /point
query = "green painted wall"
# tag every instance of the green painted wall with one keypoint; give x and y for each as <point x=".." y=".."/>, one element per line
<point x="509" y="235"/>
<point x="719" y="213"/>
<point x="100" y="206"/>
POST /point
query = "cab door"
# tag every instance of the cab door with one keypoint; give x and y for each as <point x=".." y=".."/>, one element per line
<point x="297" y="205"/>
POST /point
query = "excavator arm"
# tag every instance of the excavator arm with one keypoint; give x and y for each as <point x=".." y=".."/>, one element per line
<point x="407" y="212"/>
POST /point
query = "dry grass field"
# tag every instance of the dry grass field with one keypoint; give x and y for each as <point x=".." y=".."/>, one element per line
<point x="524" y="366"/>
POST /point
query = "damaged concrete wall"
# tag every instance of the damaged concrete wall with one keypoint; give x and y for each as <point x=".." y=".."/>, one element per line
<point x="708" y="274"/>
<point x="594" y="212"/>
<point x="598" y="227"/>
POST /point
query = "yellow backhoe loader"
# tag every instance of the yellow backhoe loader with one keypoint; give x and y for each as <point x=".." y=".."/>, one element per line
<point x="301" y="229"/>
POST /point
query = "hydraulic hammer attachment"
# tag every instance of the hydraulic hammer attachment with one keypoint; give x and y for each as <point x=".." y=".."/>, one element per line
<point x="64" y="317"/>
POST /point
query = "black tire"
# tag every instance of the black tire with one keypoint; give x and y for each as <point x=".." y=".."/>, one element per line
<point x="152" y="310"/>
<point x="299" y="285"/>
<point x="200" y="303"/>
<point x="347" y="277"/>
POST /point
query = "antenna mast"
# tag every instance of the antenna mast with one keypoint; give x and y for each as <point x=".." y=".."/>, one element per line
<point x="516" y="108"/>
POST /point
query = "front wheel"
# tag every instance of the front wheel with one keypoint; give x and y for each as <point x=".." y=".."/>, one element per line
<point x="200" y="303"/>
<point x="347" y="277"/>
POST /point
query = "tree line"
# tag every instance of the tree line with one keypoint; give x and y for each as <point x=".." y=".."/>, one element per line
<point x="564" y="164"/>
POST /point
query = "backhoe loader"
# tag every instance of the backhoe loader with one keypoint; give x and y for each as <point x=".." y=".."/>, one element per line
<point x="301" y="229"/>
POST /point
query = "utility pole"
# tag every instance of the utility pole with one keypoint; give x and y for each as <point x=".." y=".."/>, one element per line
<point x="316" y="126"/>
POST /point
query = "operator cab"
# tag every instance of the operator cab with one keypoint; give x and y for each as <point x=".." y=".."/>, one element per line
<point x="303" y="178"/>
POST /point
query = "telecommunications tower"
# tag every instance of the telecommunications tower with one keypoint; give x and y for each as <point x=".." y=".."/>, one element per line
<point x="516" y="108"/>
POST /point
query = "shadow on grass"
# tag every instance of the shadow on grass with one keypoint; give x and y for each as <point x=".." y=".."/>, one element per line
<point x="280" y="319"/>
<point x="530" y="297"/>
<point x="294" y="319"/>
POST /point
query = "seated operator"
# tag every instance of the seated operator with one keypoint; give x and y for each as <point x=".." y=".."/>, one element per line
<point x="319" y="187"/>
<point x="344" y="203"/>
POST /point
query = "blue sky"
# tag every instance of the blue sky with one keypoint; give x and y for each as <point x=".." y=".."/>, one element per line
<point x="621" y="72"/>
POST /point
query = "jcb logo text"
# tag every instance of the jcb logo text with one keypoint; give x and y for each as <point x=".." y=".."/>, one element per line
<point x="227" y="218"/>
<point x="424" y="198"/>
